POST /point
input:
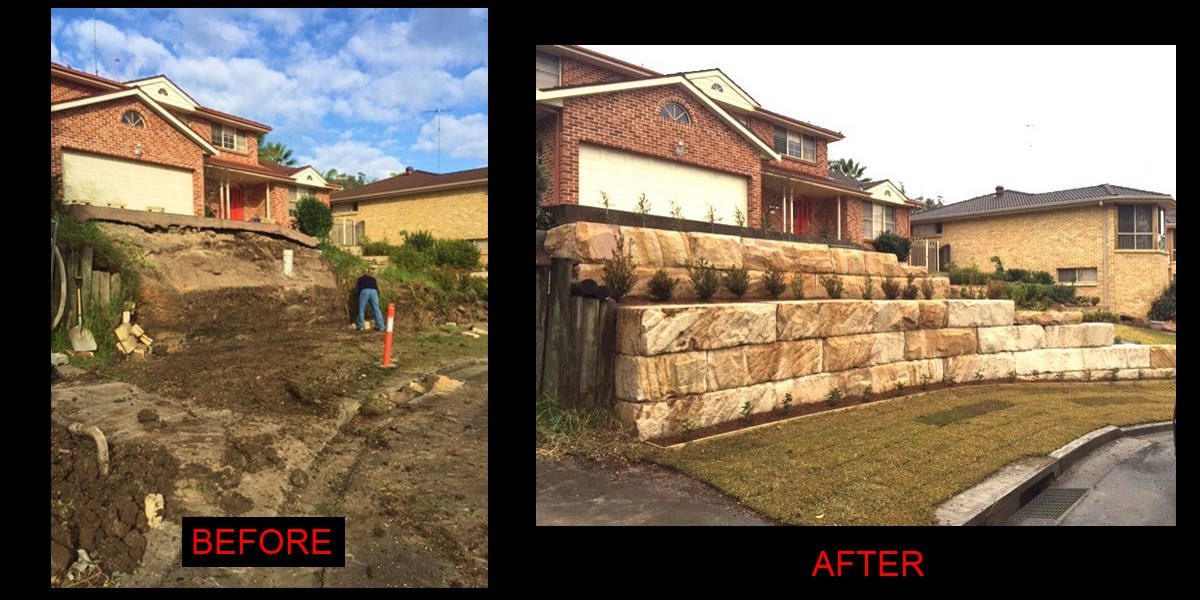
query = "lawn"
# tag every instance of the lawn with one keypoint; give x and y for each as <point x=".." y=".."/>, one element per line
<point x="1143" y="336"/>
<point x="894" y="462"/>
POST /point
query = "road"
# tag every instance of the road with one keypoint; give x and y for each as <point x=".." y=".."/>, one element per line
<point x="1129" y="481"/>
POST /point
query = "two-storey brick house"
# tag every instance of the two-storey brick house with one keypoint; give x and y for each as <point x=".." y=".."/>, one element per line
<point x="146" y="145"/>
<point x="609" y="129"/>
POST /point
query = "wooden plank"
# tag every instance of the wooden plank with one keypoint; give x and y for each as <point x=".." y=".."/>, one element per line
<point x="606" y="350"/>
<point x="589" y="321"/>
<point x="85" y="271"/>
<point x="105" y="288"/>
<point x="568" y="393"/>
<point x="72" y="263"/>
<point x="116" y="285"/>
<point x="556" y="323"/>
<point x="95" y="295"/>
<point x="543" y="283"/>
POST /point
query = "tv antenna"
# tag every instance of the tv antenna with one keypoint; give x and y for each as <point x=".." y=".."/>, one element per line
<point x="95" y="52"/>
<point x="439" y="112"/>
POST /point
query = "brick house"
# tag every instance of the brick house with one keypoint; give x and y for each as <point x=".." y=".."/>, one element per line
<point x="1106" y="240"/>
<point x="605" y="127"/>
<point x="1171" y="239"/>
<point x="146" y="145"/>
<point x="448" y="205"/>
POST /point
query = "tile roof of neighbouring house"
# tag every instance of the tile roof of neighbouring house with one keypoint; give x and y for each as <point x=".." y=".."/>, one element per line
<point x="418" y="179"/>
<point x="1014" y="201"/>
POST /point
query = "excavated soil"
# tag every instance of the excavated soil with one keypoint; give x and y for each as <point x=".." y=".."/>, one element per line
<point x="103" y="515"/>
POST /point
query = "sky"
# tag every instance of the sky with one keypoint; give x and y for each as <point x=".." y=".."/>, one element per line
<point x="343" y="88"/>
<point x="958" y="121"/>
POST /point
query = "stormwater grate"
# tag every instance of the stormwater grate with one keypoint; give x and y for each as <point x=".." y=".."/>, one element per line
<point x="1051" y="504"/>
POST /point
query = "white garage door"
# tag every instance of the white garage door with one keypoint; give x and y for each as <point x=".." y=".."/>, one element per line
<point x="625" y="177"/>
<point x="107" y="181"/>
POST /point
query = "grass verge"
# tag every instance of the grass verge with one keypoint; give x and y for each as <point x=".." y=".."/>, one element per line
<point x="1138" y="335"/>
<point x="893" y="463"/>
<point x="594" y="434"/>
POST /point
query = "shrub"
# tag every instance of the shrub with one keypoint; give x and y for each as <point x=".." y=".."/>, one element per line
<point x="456" y="254"/>
<point x="704" y="279"/>
<point x="444" y="279"/>
<point x="891" y="288"/>
<point x="999" y="267"/>
<point x="966" y="275"/>
<point x="373" y="248"/>
<point x="737" y="281"/>
<point x="833" y="285"/>
<point x="798" y="286"/>
<point x="772" y="280"/>
<point x="910" y="289"/>
<point x="868" y="288"/>
<point x="895" y="244"/>
<point x="1095" y="300"/>
<point x="1018" y="275"/>
<point x="834" y="397"/>
<point x="421" y="241"/>
<point x="995" y="289"/>
<point x="408" y="258"/>
<point x="747" y="410"/>
<point x="867" y="393"/>
<point x="1042" y="277"/>
<point x="620" y="271"/>
<point x="1163" y="307"/>
<point x="927" y="288"/>
<point x="787" y="403"/>
<point x="662" y="286"/>
<point x="314" y="217"/>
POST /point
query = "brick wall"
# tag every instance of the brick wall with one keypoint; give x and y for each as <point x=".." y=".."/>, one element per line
<point x="630" y="120"/>
<point x="203" y="127"/>
<point x="460" y="213"/>
<point x="98" y="128"/>
<point x="545" y="140"/>
<point x="62" y="90"/>
<point x="765" y="130"/>
<point x="580" y="73"/>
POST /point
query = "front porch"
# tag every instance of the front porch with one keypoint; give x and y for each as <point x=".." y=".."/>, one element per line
<point x="801" y="205"/>
<point x="243" y="193"/>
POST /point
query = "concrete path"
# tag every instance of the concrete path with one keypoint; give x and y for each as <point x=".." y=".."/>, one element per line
<point x="575" y="492"/>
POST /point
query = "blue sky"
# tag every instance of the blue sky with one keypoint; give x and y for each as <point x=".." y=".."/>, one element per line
<point x="343" y="88"/>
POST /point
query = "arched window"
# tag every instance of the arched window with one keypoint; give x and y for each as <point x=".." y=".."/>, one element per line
<point x="132" y="117"/>
<point x="675" y="112"/>
<point x="717" y="87"/>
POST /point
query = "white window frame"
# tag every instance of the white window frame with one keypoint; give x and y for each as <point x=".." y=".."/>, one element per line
<point x="296" y="192"/>
<point x="681" y="116"/>
<point x="1076" y="279"/>
<point x="228" y="138"/>
<point x="543" y="57"/>
<point x="798" y="144"/>
<point x="139" y="122"/>
<point x="877" y="219"/>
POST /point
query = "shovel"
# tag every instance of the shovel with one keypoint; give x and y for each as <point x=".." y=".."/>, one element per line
<point x="81" y="339"/>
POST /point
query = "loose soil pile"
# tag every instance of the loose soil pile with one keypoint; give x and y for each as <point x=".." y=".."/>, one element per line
<point x="104" y="516"/>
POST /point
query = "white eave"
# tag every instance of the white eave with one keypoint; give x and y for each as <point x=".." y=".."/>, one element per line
<point x="148" y="101"/>
<point x="554" y="98"/>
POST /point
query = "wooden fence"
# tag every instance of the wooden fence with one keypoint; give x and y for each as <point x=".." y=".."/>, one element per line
<point x="925" y="254"/>
<point x="576" y="341"/>
<point x="94" y="280"/>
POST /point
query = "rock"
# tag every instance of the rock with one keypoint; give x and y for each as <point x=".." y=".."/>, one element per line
<point x="896" y="315"/>
<point x="376" y="407"/>
<point x="147" y="415"/>
<point x="57" y="358"/>
<point x="1080" y="359"/>
<point x="979" y="313"/>
<point x="471" y="334"/>
<point x="60" y="558"/>
<point x="450" y="324"/>
<point x="932" y="314"/>
<point x="937" y="343"/>
<point x="69" y="371"/>
<point x="1047" y="317"/>
<point x="807" y="319"/>
<point x="1162" y="357"/>
<point x="643" y="244"/>
<point x="298" y="478"/>
<point x="669" y="375"/>
<point x="293" y="310"/>
<point x="153" y="508"/>
<point x="783" y="360"/>
<point x="378" y="531"/>
<point x="852" y="351"/>
<point x="990" y="366"/>
<point x="885" y="378"/>
<point x="674" y="247"/>
<point x="760" y="254"/>
<point x="724" y="251"/>
<point x="478" y="331"/>
<point x="1079" y="336"/>
<point x="656" y="419"/>
<point x="1014" y="338"/>
<point x="882" y="264"/>
<point x="847" y="261"/>
<point x="444" y="385"/>
<point x="582" y="241"/>
<point x="650" y="330"/>
<point x="136" y="542"/>
<point x="414" y="387"/>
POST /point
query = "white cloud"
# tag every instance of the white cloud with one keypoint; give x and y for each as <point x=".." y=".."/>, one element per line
<point x="463" y="138"/>
<point x="117" y="55"/>
<point x="431" y="39"/>
<point x="54" y="53"/>
<point x="353" y="157"/>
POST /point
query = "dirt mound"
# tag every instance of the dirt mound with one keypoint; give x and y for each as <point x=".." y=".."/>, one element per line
<point x="104" y="516"/>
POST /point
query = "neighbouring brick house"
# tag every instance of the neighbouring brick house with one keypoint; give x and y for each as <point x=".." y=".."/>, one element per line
<point x="146" y="145"/>
<point x="1171" y="238"/>
<point x="1106" y="240"/>
<point x="448" y="205"/>
<point x="694" y="139"/>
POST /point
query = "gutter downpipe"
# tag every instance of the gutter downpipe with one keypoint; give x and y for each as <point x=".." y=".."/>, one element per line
<point x="268" y="200"/>
<point x="839" y="217"/>
<point x="1104" y="255"/>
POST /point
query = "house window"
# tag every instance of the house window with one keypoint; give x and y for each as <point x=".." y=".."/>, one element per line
<point x="795" y="144"/>
<point x="1135" y="226"/>
<point x="132" y="117"/>
<point x="548" y="70"/>
<point x="926" y="229"/>
<point x="675" y="112"/>
<point x="482" y="245"/>
<point x="740" y="118"/>
<point x="295" y="193"/>
<point x="878" y="218"/>
<point x="229" y="138"/>
<point x="717" y="87"/>
<point x="1077" y="276"/>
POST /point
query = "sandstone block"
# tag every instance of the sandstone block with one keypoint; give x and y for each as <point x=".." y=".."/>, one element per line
<point x="852" y="351"/>
<point x="885" y="378"/>
<point x="1162" y="357"/>
<point x="989" y="366"/>
<point x="811" y="319"/>
<point x="896" y="315"/>
<point x="650" y="330"/>
<point x="656" y="419"/>
<point x="937" y="343"/>
<point x="1083" y="335"/>
<point x="664" y="376"/>
<point x="979" y="313"/>
<point x="723" y="251"/>
<point x="931" y="314"/>
<point x="847" y="261"/>
<point x="582" y="241"/>
<point x="1047" y="317"/>
<point x="1014" y="338"/>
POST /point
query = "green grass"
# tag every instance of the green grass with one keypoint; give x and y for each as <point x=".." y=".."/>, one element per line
<point x="893" y="463"/>
<point x="1138" y="335"/>
<point x="593" y="434"/>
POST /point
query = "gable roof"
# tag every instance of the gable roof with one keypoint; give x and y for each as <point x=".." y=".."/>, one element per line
<point x="555" y="95"/>
<point x="417" y="181"/>
<point x="148" y="101"/>
<point x="1014" y="201"/>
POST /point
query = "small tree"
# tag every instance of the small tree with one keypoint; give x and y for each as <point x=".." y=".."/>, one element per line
<point x="927" y="288"/>
<point x="895" y="244"/>
<point x="772" y="280"/>
<point x="891" y="288"/>
<point x="643" y="207"/>
<point x="676" y="213"/>
<point x="910" y="290"/>
<point x="314" y="217"/>
<point x="712" y="218"/>
<point x="798" y="286"/>
<point x="833" y="285"/>
<point x="868" y="288"/>
<point x="704" y="279"/>
<point x="737" y="281"/>
<point x="662" y="286"/>
<point x="739" y="217"/>
<point x="620" y="271"/>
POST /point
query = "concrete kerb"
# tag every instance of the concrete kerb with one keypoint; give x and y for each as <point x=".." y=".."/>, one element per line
<point x="997" y="498"/>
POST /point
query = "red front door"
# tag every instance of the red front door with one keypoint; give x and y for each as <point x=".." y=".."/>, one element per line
<point x="801" y="215"/>
<point x="235" y="203"/>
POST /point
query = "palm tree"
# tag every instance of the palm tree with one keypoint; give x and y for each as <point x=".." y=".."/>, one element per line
<point x="277" y="153"/>
<point x="849" y="168"/>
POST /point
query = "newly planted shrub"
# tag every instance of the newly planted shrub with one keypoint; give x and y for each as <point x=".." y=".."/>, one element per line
<point x="772" y="280"/>
<point x="704" y="279"/>
<point x="787" y="403"/>
<point x="1087" y="375"/>
<point x="893" y="243"/>
<point x="927" y="288"/>
<point x="737" y="281"/>
<point x="798" y="286"/>
<point x="867" y="393"/>
<point x="891" y="288"/>
<point x="620" y="271"/>
<point x="833" y="285"/>
<point x="643" y="207"/>
<point x="1012" y="376"/>
<point x="662" y="286"/>
<point x="1112" y="373"/>
<point x="868" y="288"/>
<point x="746" y="412"/>
<point x="834" y="397"/>
<point x="910" y="290"/>
<point x="995" y="289"/>
<point x="739" y="217"/>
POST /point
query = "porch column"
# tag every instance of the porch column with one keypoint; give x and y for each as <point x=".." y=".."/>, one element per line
<point x="839" y="217"/>
<point x="268" y="200"/>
